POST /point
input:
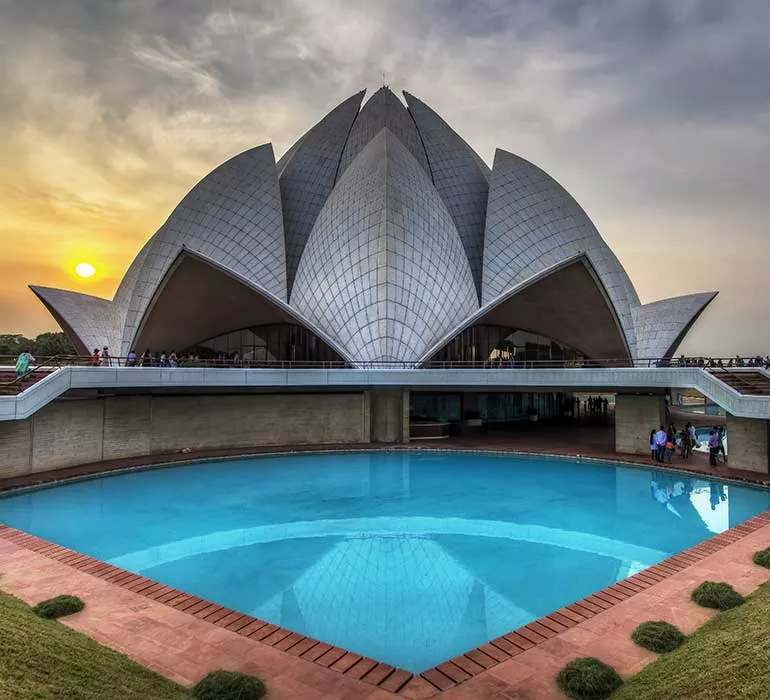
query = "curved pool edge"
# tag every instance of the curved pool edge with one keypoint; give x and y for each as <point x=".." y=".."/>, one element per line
<point x="442" y="677"/>
<point x="97" y="470"/>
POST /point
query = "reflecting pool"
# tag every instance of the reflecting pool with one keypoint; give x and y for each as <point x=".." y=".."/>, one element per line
<point x="409" y="558"/>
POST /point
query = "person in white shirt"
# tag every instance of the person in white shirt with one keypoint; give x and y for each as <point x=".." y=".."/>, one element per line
<point x="660" y="442"/>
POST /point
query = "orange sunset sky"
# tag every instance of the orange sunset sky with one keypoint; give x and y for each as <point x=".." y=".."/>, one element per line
<point x="655" y="116"/>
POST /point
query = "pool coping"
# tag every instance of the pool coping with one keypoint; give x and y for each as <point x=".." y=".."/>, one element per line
<point x="440" y="678"/>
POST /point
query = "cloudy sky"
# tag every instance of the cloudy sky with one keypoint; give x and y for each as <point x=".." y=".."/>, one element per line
<point x="655" y="114"/>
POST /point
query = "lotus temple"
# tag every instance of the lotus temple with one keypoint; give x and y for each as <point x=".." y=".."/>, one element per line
<point x="380" y="237"/>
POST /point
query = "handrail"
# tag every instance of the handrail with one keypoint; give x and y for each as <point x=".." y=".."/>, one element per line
<point x="51" y="364"/>
<point x="714" y="365"/>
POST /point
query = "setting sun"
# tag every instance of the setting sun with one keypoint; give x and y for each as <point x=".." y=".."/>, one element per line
<point x="84" y="269"/>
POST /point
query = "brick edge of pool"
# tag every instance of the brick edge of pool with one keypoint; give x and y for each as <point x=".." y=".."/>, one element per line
<point x="441" y="678"/>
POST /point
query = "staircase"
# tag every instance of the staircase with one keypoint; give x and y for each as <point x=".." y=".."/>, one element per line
<point x="751" y="383"/>
<point x="10" y="386"/>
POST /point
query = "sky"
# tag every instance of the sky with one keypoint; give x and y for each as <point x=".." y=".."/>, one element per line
<point x="654" y="114"/>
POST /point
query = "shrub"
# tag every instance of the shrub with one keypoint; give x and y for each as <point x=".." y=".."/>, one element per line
<point x="229" y="685"/>
<point x="721" y="596"/>
<point x="588" y="679"/>
<point x="762" y="558"/>
<point x="658" y="636"/>
<point x="59" y="607"/>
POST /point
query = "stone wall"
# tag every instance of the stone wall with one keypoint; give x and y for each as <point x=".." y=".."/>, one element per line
<point x="635" y="416"/>
<point x="70" y="432"/>
<point x="748" y="444"/>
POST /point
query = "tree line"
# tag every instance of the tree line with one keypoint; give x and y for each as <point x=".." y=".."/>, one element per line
<point x="43" y="345"/>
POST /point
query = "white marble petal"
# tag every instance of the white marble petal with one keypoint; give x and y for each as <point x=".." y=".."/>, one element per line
<point x="534" y="223"/>
<point x="662" y="325"/>
<point x="384" y="271"/>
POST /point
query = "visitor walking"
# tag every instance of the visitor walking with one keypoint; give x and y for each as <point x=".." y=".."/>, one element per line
<point x="131" y="359"/>
<point x="713" y="447"/>
<point x="661" y="438"/>
<point x="96" y="358"/>
<point x="653" y="446"/>
<point x="105" y="359"/>
<point x="721" y="435"/>
<point x="22" y="363"/>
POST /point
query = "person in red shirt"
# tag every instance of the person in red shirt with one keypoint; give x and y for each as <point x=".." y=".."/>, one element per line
<point x="95" y="358"/>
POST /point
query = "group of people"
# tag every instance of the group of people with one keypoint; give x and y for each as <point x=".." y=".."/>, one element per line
<point x="102" y="358"/>
<point x="737" y="361"/>
<point x="592" y="406"/>
<point x="146" y="359"/>
<point x="665" y="442"/>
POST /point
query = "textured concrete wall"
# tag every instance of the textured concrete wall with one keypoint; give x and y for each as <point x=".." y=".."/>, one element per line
<point x="635" y="416"/>
<point x="748" y="444"/>
<point x="15" y="447"/>
<point x="66" y="433"/>
<point x="389" y="410"/>
<point x="126" y="426"/>
<point x="206" y="422"/>
<point x="72" y="432"/>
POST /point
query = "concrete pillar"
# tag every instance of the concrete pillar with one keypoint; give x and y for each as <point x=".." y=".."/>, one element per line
<point x="405" y="416"/>
<point x="635" y="416"/>
<point x="748" y="444"/>
<point x="389" y="411"/>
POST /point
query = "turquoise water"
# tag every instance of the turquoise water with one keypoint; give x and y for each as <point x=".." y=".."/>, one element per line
<point x="407" y="558"/>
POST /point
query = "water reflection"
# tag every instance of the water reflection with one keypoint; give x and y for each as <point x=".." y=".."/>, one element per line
<point x="408" y="558"/>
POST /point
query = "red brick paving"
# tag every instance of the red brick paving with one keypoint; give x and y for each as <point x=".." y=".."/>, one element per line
<point x="183" y="636"/>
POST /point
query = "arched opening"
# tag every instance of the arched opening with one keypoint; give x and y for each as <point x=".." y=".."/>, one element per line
<point x="261" y="345"/>
<point x="200" y="307"/>
<point x="563" y="316"/>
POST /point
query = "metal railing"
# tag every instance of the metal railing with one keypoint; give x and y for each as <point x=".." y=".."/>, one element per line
<point x="712" y="364"/>
<point x="41" y="368"/>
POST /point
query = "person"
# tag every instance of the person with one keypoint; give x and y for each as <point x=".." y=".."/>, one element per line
<point x="173" y="360"/>
<point x="713" y="447"/>
<point x="22" y="363"/>
<point x="653" y="446"/>
<point x="164" y="362"/>
<point x="686" y="442"/>
<point x="96" y="358"/>
<point x="106" y="360"/>
<point x="661" y="438"/>
<point x="721" y="434"/>
<point x="670" y="447"/>
<point x="605" y="405"/>
<point x="131" y="359"/>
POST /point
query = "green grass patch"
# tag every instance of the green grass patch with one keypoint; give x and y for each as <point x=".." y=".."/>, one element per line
<point x="229" y="685"/>
<point x="720" y="596"/>
<point x="728" y="658"/>
<point x="762" y="558"/>
<point x="45" y="660"/>
<point x="588" y="679"/>
<point x="658" y="636"/>
<point x="60" y="606"/>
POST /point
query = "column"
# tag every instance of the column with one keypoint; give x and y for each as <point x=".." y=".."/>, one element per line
<point x="635" y="417"/>
<point x="748" y="445"/>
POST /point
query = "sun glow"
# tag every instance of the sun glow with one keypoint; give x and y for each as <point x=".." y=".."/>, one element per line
<point x="84" y="270"/>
